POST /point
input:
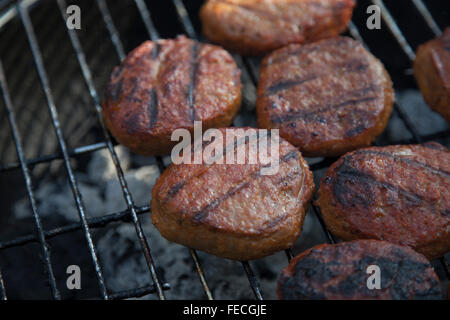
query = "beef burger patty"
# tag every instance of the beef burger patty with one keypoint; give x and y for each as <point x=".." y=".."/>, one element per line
<point x="340" y="272"/>
<point x="397" y="193"/>
<point x="166" y="85"/>
<point x="233" y="210"/>
<point x="432" y="72"/>
<point x="327" y="98"/>
<point x="253" y="27"/>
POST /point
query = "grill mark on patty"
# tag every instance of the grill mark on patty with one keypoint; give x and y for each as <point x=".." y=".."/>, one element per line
<point x="118" y="70"/>
<point x="156" y="50"/>
<point x="291" y="155"/>
<point x="355" y="131"/>
<point x="284" y="181"/>
<point x="153" y="108"/>
<point x="347" y="173"/>
<point x="287" y="84"/>
<point x="174" y="190"/>
<point x="306" y="49"/>
<point x="434" y="146"/>
<point x="193" y="80"/>
<point x="200" y="215"/>
<point x="237" y="143"/>
<point x="311" y="115"/>
<point x="134" y="86"/>
<point x="272" y="223"/>
<point x="114" y="90"/>
<point x="412" y="162"/>
<point x="312" y="273"/>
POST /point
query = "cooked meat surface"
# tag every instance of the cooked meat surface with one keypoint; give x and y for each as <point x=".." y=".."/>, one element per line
<point x="397" y="193"/>
<point x="253" y="27"/>
<point x="340" y="272"/>
<point x="165" y="85"/>
<point x="234" y="211"/>
<point x="327" y="98"/>
<point x="432" y="72"/>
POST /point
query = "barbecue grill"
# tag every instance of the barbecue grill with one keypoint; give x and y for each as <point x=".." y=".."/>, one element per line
<point x="73" y="134"/>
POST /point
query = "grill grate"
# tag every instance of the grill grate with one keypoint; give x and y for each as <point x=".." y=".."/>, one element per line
<point x="249" y="69"/>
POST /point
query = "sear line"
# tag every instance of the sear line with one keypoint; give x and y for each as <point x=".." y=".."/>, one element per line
<point x="192" y="80"/>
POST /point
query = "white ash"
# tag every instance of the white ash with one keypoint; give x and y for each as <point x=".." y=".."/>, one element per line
<point x="100" y="189"/>
<point x="102" y="168"/>
<point x="57" y="199"/>
<point x="420" y="114"/>
<point x="139" y="181"/>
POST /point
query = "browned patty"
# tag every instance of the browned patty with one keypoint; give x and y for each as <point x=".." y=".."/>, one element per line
<point x="339" y="272"/>
<point x="432" y="71"/>
<point x="397" y="193"/>
<point x="253" y="27"/>
<point x="327" y="98"/>
<point x="232" y="210"/>
<point x="165" y="85"/>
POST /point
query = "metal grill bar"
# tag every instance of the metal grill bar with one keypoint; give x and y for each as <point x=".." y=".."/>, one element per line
<point x="422" y="8"/>
<point x="327" y="232"/>
<point x="254" y="283"/>
<point x="444" y="262"/>
<point x="94" y="223"/>
<point x="201" y="274"/>
<point x="37" y="57"/>
<point x="49" y="158"/>
<point x="126" y="193"/>
<point x="137" y="293"/>
<point x="407" y="122"/>
<point x="354" y="32"/>
<point x="183" y="16"/>
<point x="154" y="36"/>
<point x="289" y="254"/>
<point x="26" y="173"/>
<point x="113" y="33"/>
<point x="146" y="18"/>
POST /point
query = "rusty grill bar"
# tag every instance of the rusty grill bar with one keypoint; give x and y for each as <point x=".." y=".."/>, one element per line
<point x="250" y="75"/>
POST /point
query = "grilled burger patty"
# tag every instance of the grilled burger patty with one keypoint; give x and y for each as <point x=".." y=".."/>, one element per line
<point x="340" y="272"/>
<point x="397" y="193"/>
<point x="165" y="85"/>
<point x="253" y="27"/>
<point x="327" y="98"/>
<point x="233" y="210"/>
<point x="432" y="72"/>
